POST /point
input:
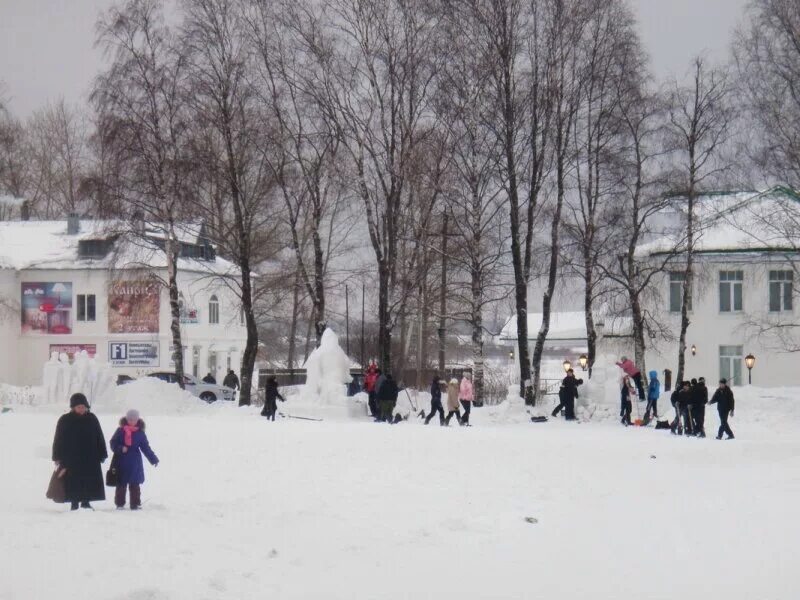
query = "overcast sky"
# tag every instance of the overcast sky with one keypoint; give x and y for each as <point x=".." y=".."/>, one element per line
<point x="46" y="46"/>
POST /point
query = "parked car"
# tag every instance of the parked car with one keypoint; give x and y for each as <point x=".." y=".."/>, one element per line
<point x="209" y="392"/>
<point x="123" y="379"/>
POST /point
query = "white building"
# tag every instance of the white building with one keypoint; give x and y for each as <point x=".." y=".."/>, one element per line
<point x="743" y="294"/>
<point x="67" y="286"/>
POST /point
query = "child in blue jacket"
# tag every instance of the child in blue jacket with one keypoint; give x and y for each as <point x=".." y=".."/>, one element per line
<point x="653" y="392"/>
<point x="128" y="443"/>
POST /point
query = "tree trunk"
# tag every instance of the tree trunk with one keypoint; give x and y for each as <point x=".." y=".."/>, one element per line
<point x="251" y="345"/>
<point x="293" y="327"/>
<point x="384" y="326"/>
<point x="174" y="306"/>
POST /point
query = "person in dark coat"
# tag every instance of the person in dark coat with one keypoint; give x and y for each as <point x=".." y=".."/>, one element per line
<point x="209" y="378"/>
<point x="723" y="398"/>
<point x="271" y="397"/>
<point x="231" y="381"/>
<point x="436" y="401"/>
<point x="128" y="444"/>
<point x="698" y="409"/>
<point x="387" y="398"/>
<point x="79" y="448"/>
<point x="675" y="425"/>
<point x="684" y="408"/>
<point x="566" y="396"/>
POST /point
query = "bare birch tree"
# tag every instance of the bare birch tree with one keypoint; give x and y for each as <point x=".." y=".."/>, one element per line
<point x="141" y="113"/>
<point x="698" y="123"/>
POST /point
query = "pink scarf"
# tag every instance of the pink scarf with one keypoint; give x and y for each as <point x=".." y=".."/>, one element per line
<point x="129" y="431"/>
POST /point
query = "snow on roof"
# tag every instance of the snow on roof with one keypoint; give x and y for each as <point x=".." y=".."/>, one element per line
<point x="563" y="326"/>
<point x="569" y="326"/>
<point x="47" y="245"/>
<point x="738" y="222"/>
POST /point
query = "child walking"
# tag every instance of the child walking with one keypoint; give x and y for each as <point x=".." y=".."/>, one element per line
<point x="128" y="443"/>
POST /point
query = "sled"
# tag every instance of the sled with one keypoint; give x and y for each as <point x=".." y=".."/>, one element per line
<point x="538" y="419"/>
<point x="638" y="422"/>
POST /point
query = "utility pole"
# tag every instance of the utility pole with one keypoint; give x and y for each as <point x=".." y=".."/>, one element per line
<point x="363" y="295"/>
<point x="443" y="299"/>
<point x="347" y="319"/>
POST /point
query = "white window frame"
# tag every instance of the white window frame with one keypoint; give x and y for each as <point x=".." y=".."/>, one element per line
<point x="731" y="363"/>
<point x="213" y="310"/>
<point x="677" y="281"/>
<point x="82" y="302"/>
<point x="781" y="282"/>
<point x="729" y="282"/>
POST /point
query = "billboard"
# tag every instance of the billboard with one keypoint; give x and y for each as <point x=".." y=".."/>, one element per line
<point x="72" y="349"/>
<point x="133" y="307"/>
<point x="133" y="354"/>
<point x="47" y="307"/>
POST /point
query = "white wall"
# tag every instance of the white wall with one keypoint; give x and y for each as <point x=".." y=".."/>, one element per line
<point x="709" y="328"/>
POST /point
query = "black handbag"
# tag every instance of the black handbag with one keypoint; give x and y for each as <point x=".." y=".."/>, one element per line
<point x="112" y="475"/>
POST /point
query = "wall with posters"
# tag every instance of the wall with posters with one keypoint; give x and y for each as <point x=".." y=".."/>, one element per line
<point x="133" y="307"/>
<point x="149" y="339"/>
<point x="46" y="307"/>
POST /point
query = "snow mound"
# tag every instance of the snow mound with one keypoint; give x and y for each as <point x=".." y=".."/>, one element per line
<point x="11" y="395"/>
<point x="151" y="396"/>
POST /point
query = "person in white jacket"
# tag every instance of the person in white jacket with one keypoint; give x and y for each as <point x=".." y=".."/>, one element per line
<point x="465" y="396"/>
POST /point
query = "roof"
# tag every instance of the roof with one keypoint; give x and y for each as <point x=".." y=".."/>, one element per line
<point x="47" y="245"/>
<point x="563" y="326"/>
<point x="737" y="222"/>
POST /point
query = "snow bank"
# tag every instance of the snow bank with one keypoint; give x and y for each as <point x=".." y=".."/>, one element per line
<point x="152" y="396"/>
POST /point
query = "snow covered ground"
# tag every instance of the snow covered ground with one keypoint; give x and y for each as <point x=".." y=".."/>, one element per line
<point x="346" y="508"/>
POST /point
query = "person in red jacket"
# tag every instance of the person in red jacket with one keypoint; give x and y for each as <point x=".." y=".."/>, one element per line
<point x="370" y="380"/>
<point x="630" y="369"/>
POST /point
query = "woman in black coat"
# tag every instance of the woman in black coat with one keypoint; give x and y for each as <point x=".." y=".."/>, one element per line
<point x="79" y="447"/>
<point x="271" y="397"/>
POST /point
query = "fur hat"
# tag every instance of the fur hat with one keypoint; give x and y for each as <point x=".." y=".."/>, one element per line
<point x="78" y="399"/>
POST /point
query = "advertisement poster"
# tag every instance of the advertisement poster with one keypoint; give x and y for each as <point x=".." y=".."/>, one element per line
<point x="72" y="349"/>
<point x="189" y="314"/>
<point x="133" y="354"/>
<point x="133" y="307"/>
<point x="47" y="308"/>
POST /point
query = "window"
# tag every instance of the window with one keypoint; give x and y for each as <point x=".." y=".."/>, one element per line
<point x="730" y="291"/>
<point x="213" y="311"/>
<point x="730" y="364"/>
<point x="676" y="281"/>
<point x="87" y="310"/>
<point x="780" y="291"/>
<point x="93" y="248"/>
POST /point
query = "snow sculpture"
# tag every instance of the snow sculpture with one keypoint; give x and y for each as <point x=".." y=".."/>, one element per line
<point x="327" y="372"/>
<point x="60" y="379"/>
<point x="50" y="378"/>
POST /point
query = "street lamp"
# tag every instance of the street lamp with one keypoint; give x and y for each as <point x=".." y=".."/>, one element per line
<point x="694" y="350"/>
<point x="511" y="355"/>
<point x="750" y="361"/>
<point x="584" y="360"/>
<point x="567" y="365"/>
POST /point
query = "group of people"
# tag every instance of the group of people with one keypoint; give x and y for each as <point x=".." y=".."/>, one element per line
<point x="79" y="449"/>
<point x="460" y="394"/>
<point x="690" y="399"/>
<point x="382" y="391"/>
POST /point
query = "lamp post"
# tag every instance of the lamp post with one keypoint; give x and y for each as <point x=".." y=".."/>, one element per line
<point x="750" y="361"/>
<point x="567" y="365"/>
<point x="583" y="360"/>
<point x="694" y="350"/>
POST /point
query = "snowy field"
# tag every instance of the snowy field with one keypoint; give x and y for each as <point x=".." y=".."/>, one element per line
<point x="242" y="508"/>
